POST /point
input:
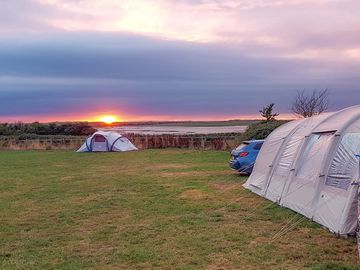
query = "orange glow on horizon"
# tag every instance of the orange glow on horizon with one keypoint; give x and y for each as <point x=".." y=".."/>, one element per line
<point x="112" y="117"/>
<point x="109" y="119"/>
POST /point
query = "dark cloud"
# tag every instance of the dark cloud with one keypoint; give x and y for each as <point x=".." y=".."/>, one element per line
<point x="52" y="71"/>
<point x="130" y="57"/>
<point x="87" y="71"/>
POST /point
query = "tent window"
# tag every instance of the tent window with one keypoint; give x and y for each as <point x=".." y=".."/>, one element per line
<point x="344" y="166"/>
<point x="99" y="138"/>
<point x="313" y="156"/>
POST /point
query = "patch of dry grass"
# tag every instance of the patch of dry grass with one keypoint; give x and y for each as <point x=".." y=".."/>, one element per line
<point x="193" y="194"/>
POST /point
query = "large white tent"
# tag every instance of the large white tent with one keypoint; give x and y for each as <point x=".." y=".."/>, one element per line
<point x="107" y="141"/>
<point x="310" y="166"/>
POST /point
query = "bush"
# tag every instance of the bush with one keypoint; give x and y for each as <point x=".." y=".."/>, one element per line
<point x="261" y="130"/>
<point x="36" y="128"/>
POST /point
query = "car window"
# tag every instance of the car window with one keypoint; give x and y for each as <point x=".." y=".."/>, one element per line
<point x="258" y="146"/>
<point x="241" y="146"/>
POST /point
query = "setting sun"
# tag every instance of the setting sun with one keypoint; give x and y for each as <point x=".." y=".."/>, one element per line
<point x="108" y="119"/>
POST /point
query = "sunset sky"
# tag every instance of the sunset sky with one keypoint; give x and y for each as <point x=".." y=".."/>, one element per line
<point x="173" y="60"/>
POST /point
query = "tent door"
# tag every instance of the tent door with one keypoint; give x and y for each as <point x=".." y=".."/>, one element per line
<point x="99" y="143"/>
<point x="337" y="193"/>
<point x="282" y="169"/>
<point x="302" y="188"/>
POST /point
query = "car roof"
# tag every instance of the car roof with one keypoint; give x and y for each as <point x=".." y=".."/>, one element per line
<point x="253" y="141"/>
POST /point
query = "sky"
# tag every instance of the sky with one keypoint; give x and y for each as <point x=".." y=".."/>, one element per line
<point x="174" y="60"/>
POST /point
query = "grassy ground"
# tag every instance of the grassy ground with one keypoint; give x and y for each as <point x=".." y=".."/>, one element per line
<point x="155" y="209"/>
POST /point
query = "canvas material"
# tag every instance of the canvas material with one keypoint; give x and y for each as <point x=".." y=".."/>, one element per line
<point x="337" y="192"/>
<point x="123" y="144"/>
<point x="358" y="220"/>
<point x="301" y="192"/>
<point x="268" y="152"/>
<point x="339" y="119"/>
<point x="306" y="165"/>
<point x="99" y="143"/>
<point x="115" y="142"/>
<point x="279" y="179"/>
<point x="281" y="172"/>
<point x="302" y="188"/>
<point x="357" y="200"/>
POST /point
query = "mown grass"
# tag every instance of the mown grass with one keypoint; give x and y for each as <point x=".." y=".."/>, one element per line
<point x="154" y="209"/>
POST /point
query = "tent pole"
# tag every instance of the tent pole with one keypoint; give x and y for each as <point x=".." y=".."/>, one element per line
<point x="358" y="202"/>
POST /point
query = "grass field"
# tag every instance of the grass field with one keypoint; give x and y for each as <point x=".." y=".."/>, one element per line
<point x="154" y="209"/>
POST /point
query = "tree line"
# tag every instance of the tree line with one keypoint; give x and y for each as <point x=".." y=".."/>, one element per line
<point x="36" y="128"/>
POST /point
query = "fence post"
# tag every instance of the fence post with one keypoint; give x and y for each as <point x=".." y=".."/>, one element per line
<point x="202" y="142"/>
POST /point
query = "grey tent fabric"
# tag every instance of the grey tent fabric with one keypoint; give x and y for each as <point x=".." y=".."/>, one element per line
<point x="107" y="141"/>
<point x="358" y="232"/>
<point x="310" y="165"/>
<point x="358" y="215"/>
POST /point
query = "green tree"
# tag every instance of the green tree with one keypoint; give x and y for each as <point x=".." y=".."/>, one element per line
<point x="267" y="112"/>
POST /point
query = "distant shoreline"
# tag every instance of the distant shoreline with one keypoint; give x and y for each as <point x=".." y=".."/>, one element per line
<point x="177" y="123"/>
<point x="175" y="129"/>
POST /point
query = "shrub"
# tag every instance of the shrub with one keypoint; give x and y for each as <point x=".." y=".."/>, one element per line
<point x="261" y="130"/>
<point x="31" y="130"/>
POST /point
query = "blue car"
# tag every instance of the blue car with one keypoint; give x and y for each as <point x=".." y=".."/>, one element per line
<point x="243" y="157"/>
